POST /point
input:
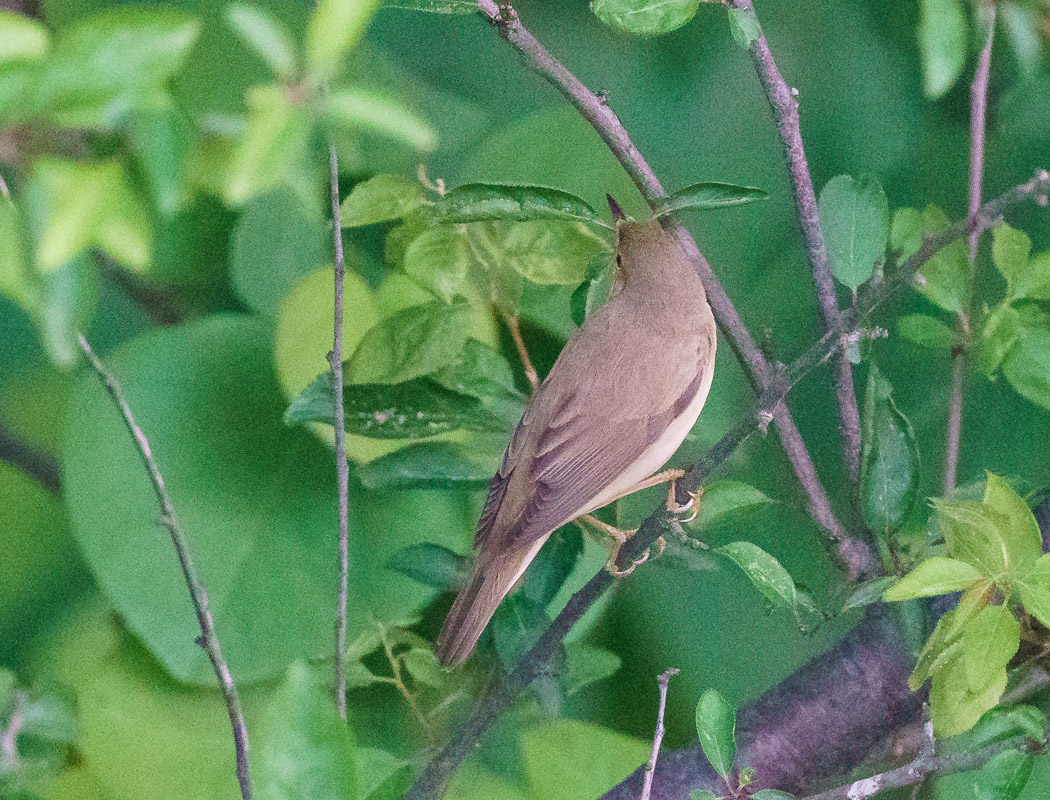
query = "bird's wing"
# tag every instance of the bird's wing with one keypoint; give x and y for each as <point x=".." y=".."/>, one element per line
<point x="563" y="454"/>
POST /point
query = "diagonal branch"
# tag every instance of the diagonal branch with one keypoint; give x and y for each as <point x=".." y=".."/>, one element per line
<point x="783" y="100"/>
<point x="208" y="639"/>
<point x="503" y="689"/>
<point x="854" y="554"/>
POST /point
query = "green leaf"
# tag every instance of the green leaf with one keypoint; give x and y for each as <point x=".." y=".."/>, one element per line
<point x="1024" y="542"/>
<point x="279" y="237"/>
<point x="906" y="232"/>
<point x="551" y="253"/>
<point x="708" y="195"/>
<point x="272" y="146"/>
<point x="410" y="410"/>
<point x="744" y="26"/>
<point x="974" y="536"/>
<point x="1035" y="590"/>
<point x="301" y="749"/>
<point x="431" y="565"/>
<point x="435" y="6"/>
<point x="943" y="34"/>
<point x="1005" y="722"/>
<point x="716" y="727"/>
<point x="480" y="372"/>
<point x="516" y="625"/>
<point x="586" y="664"/>
<point x="954" y="708"/>
<point x="21" y="37"/>
<point x="1022" y="27"/>
<point x="423" y="666"/>
<point x="381" y="776"/>
<point x="926" y="331"/>
<point x="944" y="641"/>
<point x="946" y="279"/>
<point x="63" y="305"/>
<point x="333" y="29"/>
<point x="990" y="640"/>
<point x="427" y="465"/>
<point x="645" y="17"/>
<point x="855" y="216"/>
<point x="380" y="199"/>
<point x="113" y="62"/>
<point x="772" y="794"/>
<point x="1027" y="365"/>
<point x="420" y="340"/>
<point x="359" y="110"/>
<point x="933" y="576"/>
<point x="161" y="139"/>
<point x="15" y="280"/>
<point x="868" y="592"/>
<point x="702" y="794"/>
<point x="1034" y="282"/>
<point x="764" y="571"/>
<point x="481" y="202"/>
<point x="438" y="260"/>
<point x="266" y="36"/>
<point x="889" y="483"/>
<point x="722" y="501"/>
<point x="1010" y="251"/>
<point x="1004" y="776"/>
<point x="553" y="565"/>
<point x="998" y="336"/>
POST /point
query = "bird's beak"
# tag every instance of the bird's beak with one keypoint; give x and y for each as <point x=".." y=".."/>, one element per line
<point x="617" y="212"/>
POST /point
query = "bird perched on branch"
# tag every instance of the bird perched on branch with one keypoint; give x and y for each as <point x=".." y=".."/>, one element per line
<point x="622" y="396"/>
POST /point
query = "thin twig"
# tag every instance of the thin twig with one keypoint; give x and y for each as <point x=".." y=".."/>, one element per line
<point x="342" y="467"/>
<point x="926" y="766"/>
<point x="526" y="363"/>
<point x="857" y="557"/>
<point x="783" y="100"/>
<point x="9" y="735"/>
<point x="27" y="457"/>
<point x="658" y="735"/>
<point x="978" y="107"/>
<point x="208" y="639"/>
<point x="501" y="692"/>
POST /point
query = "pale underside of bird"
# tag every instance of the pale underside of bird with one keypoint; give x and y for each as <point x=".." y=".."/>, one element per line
<point x="622" y="396"/>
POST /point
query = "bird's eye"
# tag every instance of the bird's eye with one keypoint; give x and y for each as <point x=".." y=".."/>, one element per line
<point x="619" y="260"/>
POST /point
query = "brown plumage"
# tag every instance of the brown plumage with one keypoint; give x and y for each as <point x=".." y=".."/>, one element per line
<point x="622" y="396"/>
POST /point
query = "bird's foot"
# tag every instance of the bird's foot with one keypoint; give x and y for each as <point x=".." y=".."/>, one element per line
<point x="676" y="509"/>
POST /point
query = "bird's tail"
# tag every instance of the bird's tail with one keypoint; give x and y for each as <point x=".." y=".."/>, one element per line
<point x="489" y="583"/>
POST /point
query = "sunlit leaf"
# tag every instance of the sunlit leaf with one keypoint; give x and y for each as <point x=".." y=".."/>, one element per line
<point x="855" y="217"/>
<point x="21" y="37"/>
<point x="438" y="260"/>
<point x="352" y="109"/>
<point x="716" y="727"/>
<point x="380" y="199"/>
<point x="709" y="195"/>
<point x="381" y="775"/>
<point x="1034" y="281"/>
<point x="1035" y="590"/>
<point x="944" y="641"/>
<point x="480" y="202"/>
<point x="954" y="708"/>
<point x="973" y="535"/>
<point x="906" y="232"/>
<point x="266" y="36"/>
<point x="998" y="336"/>
<point x="645" y="17"/>
<point x="1024" y="542"/>
<point x="937" y="575"/>
<point x="990" y="640"/>
<point x="946" y="280"/>
<point x="333" y="29"/>
<point x="552" y="252"/>
<point x="943" y="34"/>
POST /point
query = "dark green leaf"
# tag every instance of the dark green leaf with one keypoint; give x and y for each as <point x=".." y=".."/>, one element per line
<point x="716" y="727"/>
<point x="480" y="202"/>
<point x="933" y="576"/>
<point x="358" y="110"/>
<point x="1024" y="543"/>
<point x="645" y="17"/>
<point x="906" y="232"/>
<point x="427" y="465"/>
<point x="301" y="750"/>
<point x="744" y="26"/>
<point x="435" y="6"/>
<point x="431" y="565"/>
<point x="946" y="279"/>
<point x="889" y="483"/>
<point x="553" y="565"/>
<point x="943" y="34"/>
<point x="702" y="794"/>
<point x="772" y="794"/>
<point x="418" y="341"/>
<point x="1035" y="590"/>
<point x="15" y="275"/>
<point x="709" y="195"/>
<point x="926" y="331"/>
<point x="990" y="640"/>
<point x="722" y="501"/>
<point x="332" y="31"/>
<point x="438" y="260"/>
<point x="1010" y="251"/>
<point x="764" y="571"/>
<point x="517" y="624"/>
<point x="1027" y="365"/>
<point x="266" y="36"/>
<point x="998" y="336"/>
<point x="1004" y="723"/>
<point x="380" y="199"/>
<point x="411" y="410"/>
<point x="586" y="664"/>
<point x="1004" y="776"/>
<point x="868" y="592"/>
<point x="855" y="216"/>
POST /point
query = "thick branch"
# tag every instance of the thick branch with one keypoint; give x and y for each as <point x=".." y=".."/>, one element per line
<point x="782" y="99"/>
<point x="857" y="558"/>
<point x="208" y="639"/>
<point x="504" y="688"/>
<point x="342" y="468"/>
<point x="978" y="106"/>
<point x="31" y="460"/>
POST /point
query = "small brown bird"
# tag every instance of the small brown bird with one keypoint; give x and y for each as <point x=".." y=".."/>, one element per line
<point x="622" y="396"/>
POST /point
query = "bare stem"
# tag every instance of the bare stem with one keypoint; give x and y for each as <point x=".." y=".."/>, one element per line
<point x="783" y="101"/>
<point x="501" y="692"/>
<point x="978" y="108"/>
<point x="208" y="639"/>
<point x="342" y="468"/>
<point x="925" y="766"/>
<point x="608" y="126"/>
<point x="658" y="735"/>
<point x="523" y="353"/>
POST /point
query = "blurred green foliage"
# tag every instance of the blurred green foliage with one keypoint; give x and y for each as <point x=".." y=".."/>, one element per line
<point x="165" y="191"/>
